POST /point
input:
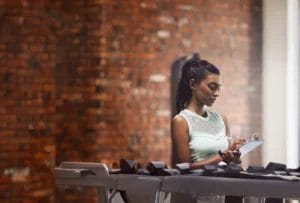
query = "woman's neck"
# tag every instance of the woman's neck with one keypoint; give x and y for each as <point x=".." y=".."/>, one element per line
<point x="199" y="109"/>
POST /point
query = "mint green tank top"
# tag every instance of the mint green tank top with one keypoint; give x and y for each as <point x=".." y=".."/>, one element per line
<point x="207" y="135"/>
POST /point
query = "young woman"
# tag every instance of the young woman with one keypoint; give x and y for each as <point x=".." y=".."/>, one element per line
<point x="198" y="134"/>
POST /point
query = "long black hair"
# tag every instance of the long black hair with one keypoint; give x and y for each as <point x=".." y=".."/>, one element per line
<point x="196" y="69"/>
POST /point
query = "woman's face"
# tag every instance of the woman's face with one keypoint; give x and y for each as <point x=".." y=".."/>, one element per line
<point x="207" y="91"/>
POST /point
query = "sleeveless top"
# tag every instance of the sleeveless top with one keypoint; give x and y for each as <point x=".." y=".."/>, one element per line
<point x="207" y="135"/>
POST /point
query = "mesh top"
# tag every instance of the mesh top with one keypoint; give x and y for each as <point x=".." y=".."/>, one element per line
<point x="207" y="135"/>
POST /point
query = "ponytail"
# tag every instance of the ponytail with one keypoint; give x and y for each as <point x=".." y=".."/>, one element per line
<point x="184" y="92"/>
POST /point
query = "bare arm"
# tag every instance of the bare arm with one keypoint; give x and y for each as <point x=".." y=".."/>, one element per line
<point x="180" y="139"/>
<point x="226" y="125"/>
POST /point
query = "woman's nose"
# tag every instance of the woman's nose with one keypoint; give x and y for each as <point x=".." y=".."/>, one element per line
<point x="216" y="93"/>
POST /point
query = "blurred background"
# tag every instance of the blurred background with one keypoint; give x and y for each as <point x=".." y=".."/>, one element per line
<point x="94" y="80"/>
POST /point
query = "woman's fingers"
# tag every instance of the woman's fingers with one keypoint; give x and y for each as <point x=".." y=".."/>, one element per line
<point x="230" y="156"/>
<point x="240" y="140"/>
<point x="227" y="156"/>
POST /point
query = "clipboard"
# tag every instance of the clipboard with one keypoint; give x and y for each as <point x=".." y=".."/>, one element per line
<point x="249" y="146"/>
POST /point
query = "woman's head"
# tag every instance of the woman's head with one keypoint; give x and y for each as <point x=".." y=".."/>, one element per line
<point x="200" y="79"/>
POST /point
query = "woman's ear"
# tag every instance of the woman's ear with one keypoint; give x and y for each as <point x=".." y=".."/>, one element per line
<point x="192" y="83"/>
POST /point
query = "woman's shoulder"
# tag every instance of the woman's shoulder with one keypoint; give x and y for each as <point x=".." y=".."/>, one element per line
<point x="216" y="114"/>
<point x="179" y="124"/>
<point x="178" y="118"/>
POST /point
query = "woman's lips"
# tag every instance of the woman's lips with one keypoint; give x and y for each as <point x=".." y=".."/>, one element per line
<point x="212" y="100"/>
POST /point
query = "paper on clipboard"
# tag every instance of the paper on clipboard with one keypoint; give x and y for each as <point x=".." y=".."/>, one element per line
<point x="249" y="146"/>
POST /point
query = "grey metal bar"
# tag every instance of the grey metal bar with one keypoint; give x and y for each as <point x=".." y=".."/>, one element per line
<point x="96" y="174"/>
<point x="203" y="186"/>
<point x="87" y="174"/>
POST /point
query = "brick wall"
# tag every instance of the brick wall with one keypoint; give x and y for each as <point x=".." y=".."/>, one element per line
<point x="81" y="100"/>
<point x="27" y="104"/>
<point x="91" y="81"/>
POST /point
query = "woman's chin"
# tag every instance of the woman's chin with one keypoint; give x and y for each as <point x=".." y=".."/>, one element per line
<point x="209" y="104"/>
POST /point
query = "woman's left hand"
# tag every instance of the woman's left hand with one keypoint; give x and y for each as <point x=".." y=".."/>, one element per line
<point x="237" y="143"/>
